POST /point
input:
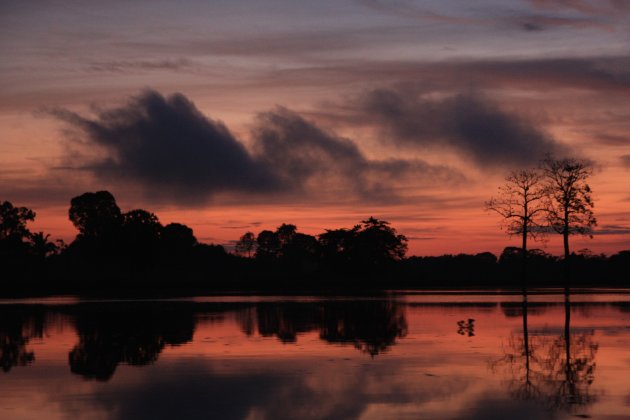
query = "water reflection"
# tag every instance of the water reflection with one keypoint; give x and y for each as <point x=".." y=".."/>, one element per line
<point x="372" y="326"/>
<point x="18" y="325"/>
<point x="466" y="328"/>
<point x="573" y="373"/>
<point x="296" y="358"/>
<point x="556" y="370"/>
<point x="134" y="334"/>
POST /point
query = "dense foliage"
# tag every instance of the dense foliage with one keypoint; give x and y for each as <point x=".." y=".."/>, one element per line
<point x="133" y="252"/>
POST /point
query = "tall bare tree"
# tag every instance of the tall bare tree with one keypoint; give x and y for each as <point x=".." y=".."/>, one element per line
<point x="570" y="207"/>
<point x="521" y="204"/>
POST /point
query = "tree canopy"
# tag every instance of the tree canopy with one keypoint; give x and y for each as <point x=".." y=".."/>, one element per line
<point x="570" y="209"/>
<point x="13" y="222"/>
<point x="95" y="214"/>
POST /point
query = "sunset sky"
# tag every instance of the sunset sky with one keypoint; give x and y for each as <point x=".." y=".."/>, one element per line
<point x="236" y="115"/>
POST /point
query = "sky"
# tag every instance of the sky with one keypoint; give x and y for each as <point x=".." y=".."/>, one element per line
<point x="235" y="116"/>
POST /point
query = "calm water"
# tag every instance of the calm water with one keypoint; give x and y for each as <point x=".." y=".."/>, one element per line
<point x="399" y="356"/>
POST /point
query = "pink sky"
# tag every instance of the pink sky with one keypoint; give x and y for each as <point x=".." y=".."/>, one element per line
<point x="408" y="111"/>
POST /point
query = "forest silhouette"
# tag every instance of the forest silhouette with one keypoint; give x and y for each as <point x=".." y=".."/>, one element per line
<point x="132" y="252"/>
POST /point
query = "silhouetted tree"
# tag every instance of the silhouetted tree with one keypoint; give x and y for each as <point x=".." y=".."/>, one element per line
<point x="337" y="241"/>
<point x="371" y="245"/>
<point x="140" y="236"/>
<point x="376" y="244"/>
<point x="570" y="202"/>
<point x="13" y="222"/>
<point x="142" y="224"/>
<point x="99" y="221"/>
<point x="618" y="266"/>
<point x="268" y="245"/>
<point x="301" y="244"/>
<point x="41" y="247"/>
<point x="285" y="233"/>
<point x="178" y="238"/>
<point x="521" y="204"/>
<point x="300" y="253"/>
<point x="95" y="215"/>
<point x="335" y="247"/>
<point x="246" y="244"/>
<point x="289" y="249"/>
<point x="14" y="235"/>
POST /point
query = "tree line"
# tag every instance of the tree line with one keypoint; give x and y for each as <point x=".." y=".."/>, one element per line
<point x="117" y="249"/>
<point x="133" y="251"/>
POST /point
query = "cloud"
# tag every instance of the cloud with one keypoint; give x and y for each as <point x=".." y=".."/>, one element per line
<point x="612" y="230"/>
<point x="613" y="140"/>
<point x="488" y="15"/>
<point x="410" y="11"/>
<point x="169" y="147"/>
<point x="41" y="190"/>
<point x="584" y="6"/>
<point x="121" y="66"/>
<point x="466" y="123"/>
<point x="540" y="22"/>
<point x="532" y="27"/>
<point x="609" y="76"/>
<point x="304" y="154"/>
<point x="601" y="14"/>
<point x="625" y="161"/>
<point x="173" y="152"/>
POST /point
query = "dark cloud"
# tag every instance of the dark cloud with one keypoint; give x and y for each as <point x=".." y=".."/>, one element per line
<point x="466" y="123"/>
<point x="625" y="161"/>
<point x="305" y="154"/>
<point x="532" y="27"/>
<point x="170" y="149"/>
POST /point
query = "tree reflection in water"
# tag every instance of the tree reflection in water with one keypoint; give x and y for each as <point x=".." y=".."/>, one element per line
<point x="134" y="334"/>
<point x="372" y="326"/>
<point x="17" y="327"/>
<point x="557" y="371"/>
